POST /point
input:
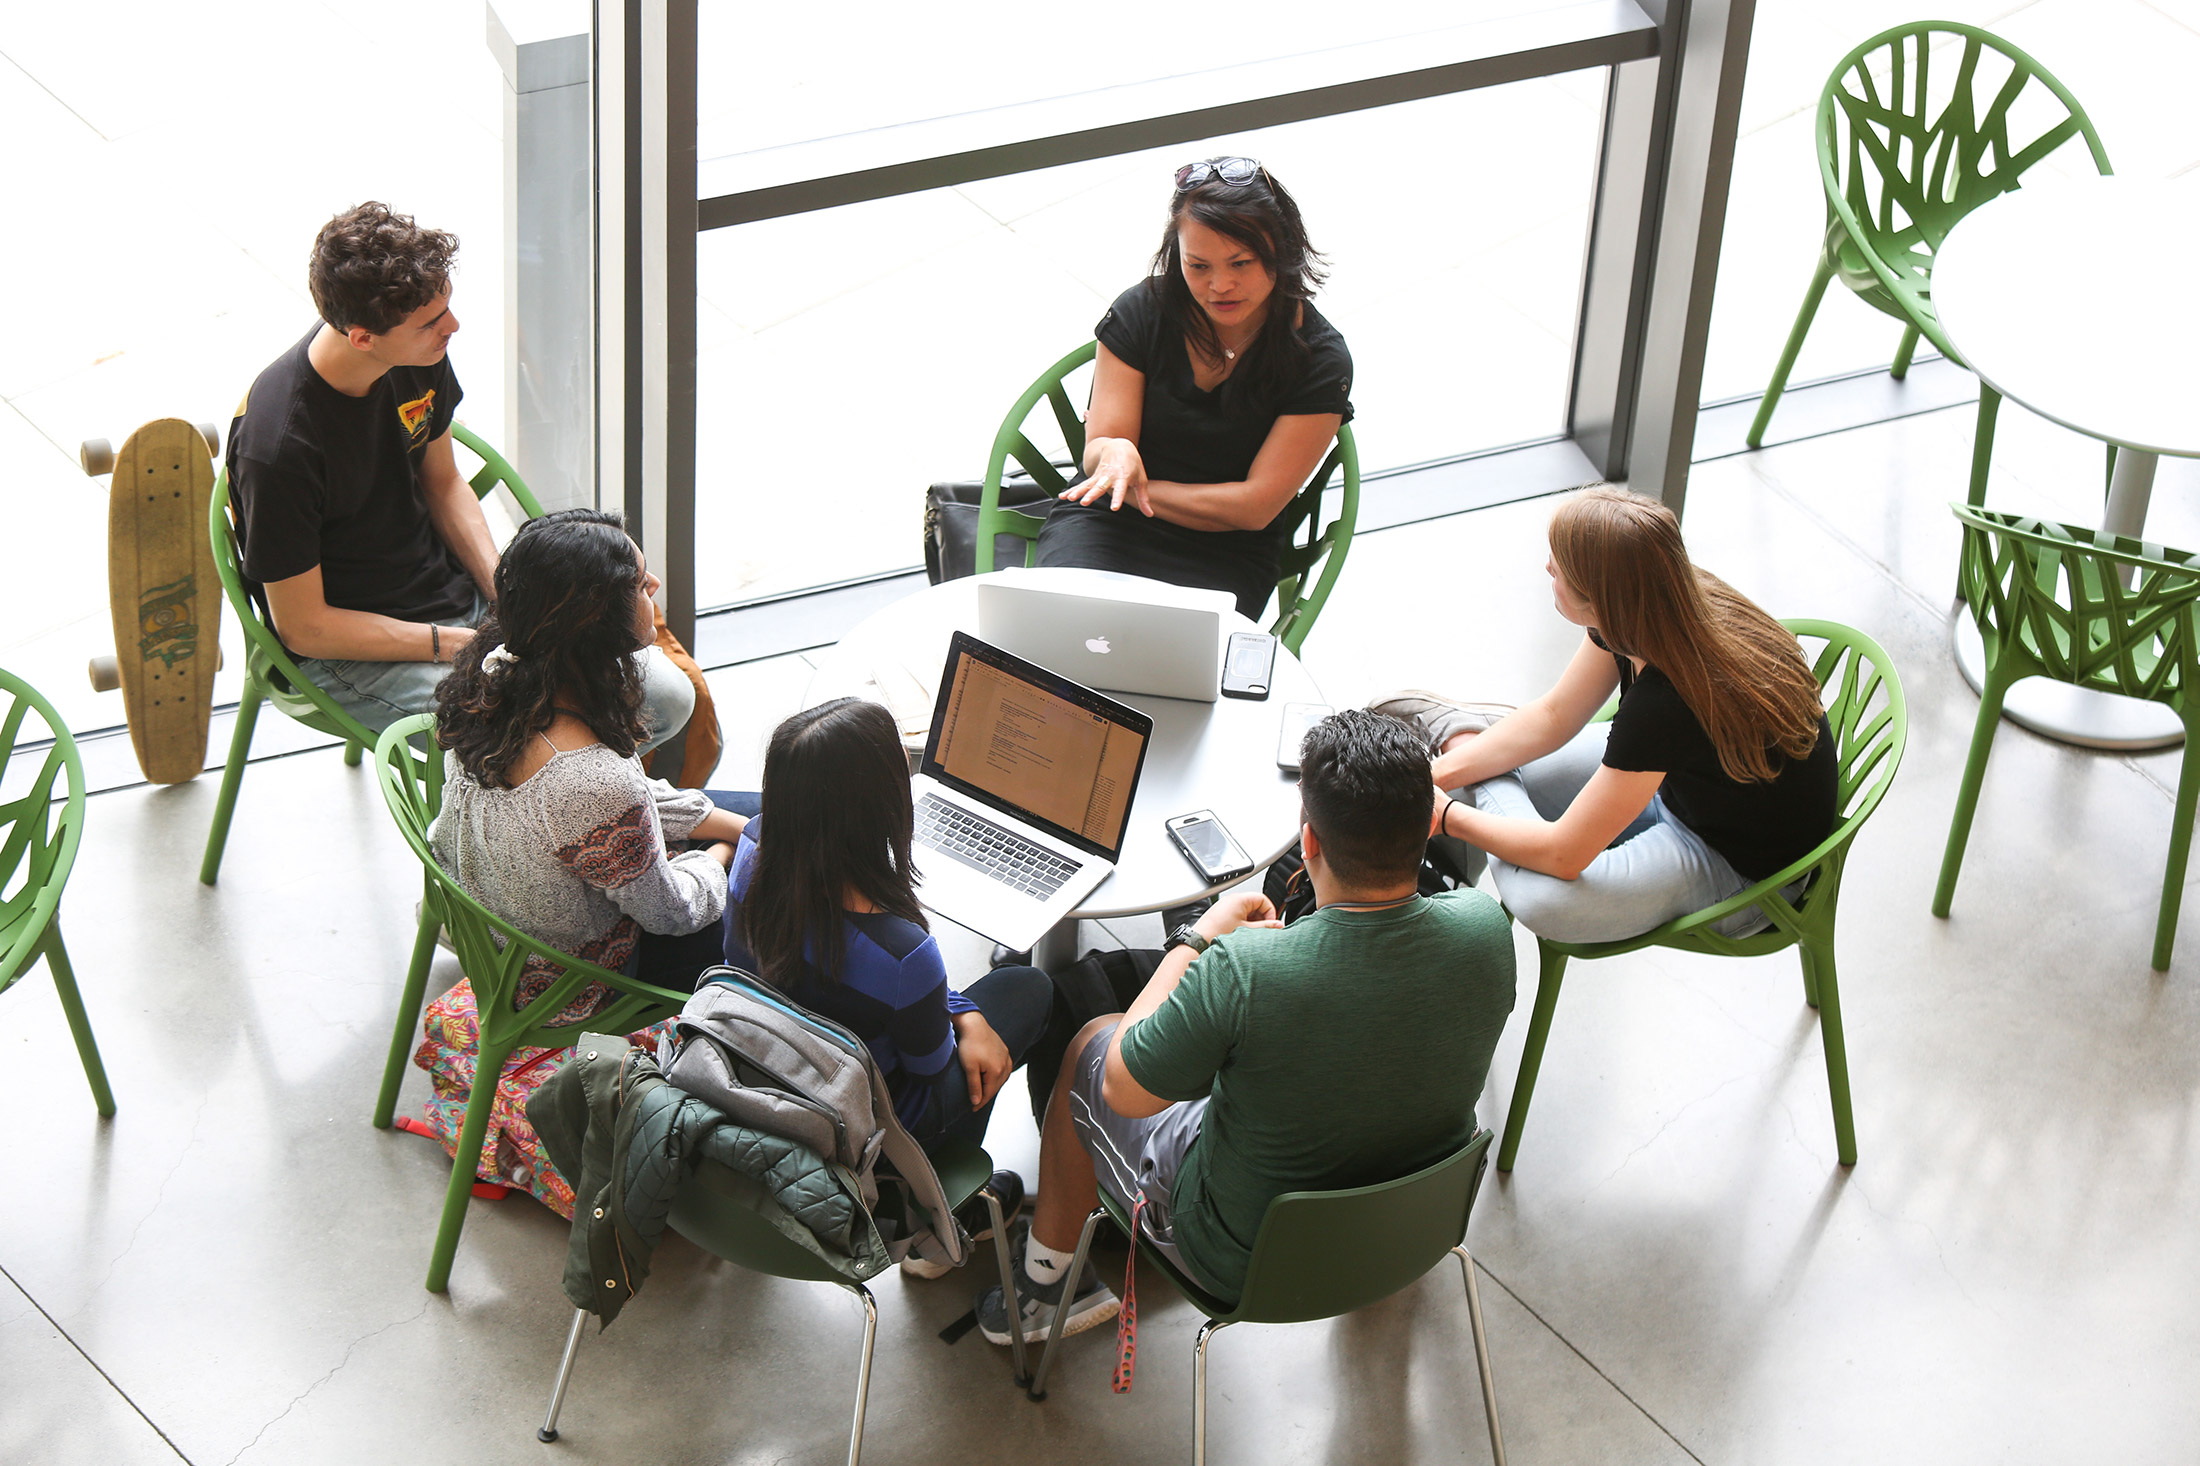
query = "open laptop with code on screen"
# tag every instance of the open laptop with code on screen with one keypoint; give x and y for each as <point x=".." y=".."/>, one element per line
<point x="1024" y="793"/>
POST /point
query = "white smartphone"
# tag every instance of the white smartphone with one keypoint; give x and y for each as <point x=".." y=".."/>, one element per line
<point x="1298" y="718"/>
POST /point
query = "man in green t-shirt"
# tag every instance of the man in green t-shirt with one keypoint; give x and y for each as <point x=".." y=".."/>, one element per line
<point x="1344" y="1050"/>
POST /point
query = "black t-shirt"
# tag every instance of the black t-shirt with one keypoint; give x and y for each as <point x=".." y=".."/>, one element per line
<point x="319" y="478"/>
<point x="1759" y="827"/>
<point x="1189" y="436"/>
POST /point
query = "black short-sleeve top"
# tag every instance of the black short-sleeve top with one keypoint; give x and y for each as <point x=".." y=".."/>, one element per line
<point x="1187" y="436"/>
<point x="321" y="478"/>
<point x="1760" y="827"/>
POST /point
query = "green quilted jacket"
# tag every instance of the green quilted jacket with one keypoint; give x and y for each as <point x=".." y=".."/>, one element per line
<point x="628" y="1141"/>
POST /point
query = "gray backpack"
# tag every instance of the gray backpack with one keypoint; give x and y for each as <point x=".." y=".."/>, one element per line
<point x="775" y="1067"/>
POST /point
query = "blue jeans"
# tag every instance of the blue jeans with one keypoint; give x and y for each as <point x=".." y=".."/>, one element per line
<point x="380" y="693"/>
<point x="1015" y="1002"/>
<point x="1656" y="871"/>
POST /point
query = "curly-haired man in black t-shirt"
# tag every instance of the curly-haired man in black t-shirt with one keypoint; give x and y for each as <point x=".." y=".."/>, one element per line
<point x="351" y="512"/>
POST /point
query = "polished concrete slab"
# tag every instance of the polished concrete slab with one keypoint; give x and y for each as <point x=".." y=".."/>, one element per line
<point x="229" y="1270"/>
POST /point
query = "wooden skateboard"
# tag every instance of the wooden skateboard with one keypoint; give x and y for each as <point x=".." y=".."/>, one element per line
<point x="163" y="590"/>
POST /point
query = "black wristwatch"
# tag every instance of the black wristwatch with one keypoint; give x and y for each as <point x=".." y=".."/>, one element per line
<point x="1187" y="935"/>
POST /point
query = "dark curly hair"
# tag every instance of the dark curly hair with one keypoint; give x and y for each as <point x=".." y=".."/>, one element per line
<point x="1364" y="787"/>
<point x="836" y="783"/>
<point x="565" y="608"/>
<point x="372" y="268"/>
<point x="1261" y="215"/>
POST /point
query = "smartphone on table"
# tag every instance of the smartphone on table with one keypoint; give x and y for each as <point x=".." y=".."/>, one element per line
<point x="1248" y="664"/>
<point x="1298" y="719"/>
<point x="1203" y="841"/>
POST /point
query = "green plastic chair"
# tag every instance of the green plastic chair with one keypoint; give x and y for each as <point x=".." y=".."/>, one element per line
<point x="270" y="676"/>
<point x="709" y="1212"/>
<point x="2050" y="601"/>
<point x="37" y="850"/>
<point x="1897" y="180"/>
<point x="1321" y="1254"/>
<point x="1297" y="605"/>
<point x="1870" y="722"/>
<point x="494" y="955"/>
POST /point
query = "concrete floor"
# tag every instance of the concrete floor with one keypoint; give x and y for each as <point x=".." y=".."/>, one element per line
<point x="229" y="1271"/>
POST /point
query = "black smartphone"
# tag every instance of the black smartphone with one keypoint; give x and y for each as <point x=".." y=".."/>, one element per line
<point x="1249" y="663"/>
<point x="1208" y="846"/>
<point x="1298" y="717"/>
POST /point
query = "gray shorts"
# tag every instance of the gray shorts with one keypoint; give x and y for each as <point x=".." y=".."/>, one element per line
<point x="1131" y="1155"/>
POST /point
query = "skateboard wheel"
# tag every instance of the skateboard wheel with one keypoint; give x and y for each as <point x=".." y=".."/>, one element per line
<point x="106" y="674"/>
<point x="97" y="455"/>
<point x="213" y="438"/>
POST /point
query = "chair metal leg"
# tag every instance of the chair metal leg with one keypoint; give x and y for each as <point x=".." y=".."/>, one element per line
<point x="1038" y="1387"/>
<point x="464" y="1165"/>
<point x="1008" y="1280"/>
<point x="1810" y="976"/>
<point x="1482" y="1353"/>
<point x="80" y="1024"/>
<point x="353" y="752"/>
<point x="1778" y="384"/>
<point x="1837" y="1051"/>
<point x="1531" y="1054"/>
<point x="1207" y="1331"/>
<point x="225" y="803"/>
<point x="408" y="1005"/>
<point x="863" y="1371"/>
<point x="549" y="1431"/>
<point x="1903" y="353"/>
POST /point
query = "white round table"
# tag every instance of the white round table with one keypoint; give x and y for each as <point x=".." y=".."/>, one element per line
<point x="2080" y="298"/>
<point x="1219" y="755"/>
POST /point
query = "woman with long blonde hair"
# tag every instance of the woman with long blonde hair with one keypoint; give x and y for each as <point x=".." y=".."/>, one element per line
<point x="1716" y="771"/>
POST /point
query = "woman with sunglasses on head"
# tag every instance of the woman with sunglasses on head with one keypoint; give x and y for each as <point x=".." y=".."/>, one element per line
<point x="1217" y="391"/>
<point x="1716" y="771"/>
<point x="549" y="820"/>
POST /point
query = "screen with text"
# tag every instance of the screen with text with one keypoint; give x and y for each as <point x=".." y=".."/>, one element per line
<point x="1064" y="764"/>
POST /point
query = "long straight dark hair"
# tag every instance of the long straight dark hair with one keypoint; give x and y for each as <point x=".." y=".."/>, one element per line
<point x="1261" y="215"/>
<point x="565" y="609"/>
<point x="836" y="789"/>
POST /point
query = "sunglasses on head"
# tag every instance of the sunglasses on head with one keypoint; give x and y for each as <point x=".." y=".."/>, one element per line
<point x="1234" y="171"/>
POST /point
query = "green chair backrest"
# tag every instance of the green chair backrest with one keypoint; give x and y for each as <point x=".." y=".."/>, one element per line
<point x="266" y="659"/>
<point x="2052" y="597"/>
<point x="1312" y="542"/>
<point x="1870" y="721"/>
<point x="1320" y="1254"/>
<point x="495" y="955"/>
<point x="1910" y="139"/>
<point x="38" y="841"/>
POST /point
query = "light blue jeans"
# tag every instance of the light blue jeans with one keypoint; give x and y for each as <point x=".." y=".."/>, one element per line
<point x="1657" y="870"/>
<point x="379" y="693"/>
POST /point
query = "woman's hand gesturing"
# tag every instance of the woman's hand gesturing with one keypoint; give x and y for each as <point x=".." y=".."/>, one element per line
<point x="1118" y="473"/>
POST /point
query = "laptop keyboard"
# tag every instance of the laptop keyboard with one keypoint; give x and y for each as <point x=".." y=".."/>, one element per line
<point x="1020" y="864"/>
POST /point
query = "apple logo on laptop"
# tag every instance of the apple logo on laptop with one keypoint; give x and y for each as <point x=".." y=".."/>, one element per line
<point x="1098" y="645"/>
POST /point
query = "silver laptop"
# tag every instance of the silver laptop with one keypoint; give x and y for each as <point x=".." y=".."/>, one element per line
<point x="1023" y="795"/>
<point x="1120" y="632"/>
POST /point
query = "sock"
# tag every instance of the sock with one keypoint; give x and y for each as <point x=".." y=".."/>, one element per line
<point x="1042" y="1264"/>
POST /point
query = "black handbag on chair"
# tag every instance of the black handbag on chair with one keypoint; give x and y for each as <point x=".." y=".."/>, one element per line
<point x="951" y="524"/>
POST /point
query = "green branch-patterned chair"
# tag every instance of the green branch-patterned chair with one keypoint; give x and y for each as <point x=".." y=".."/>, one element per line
<point x="1870" y="722"/>
<point x="1300" y="591"/>
<point x="495" y="956"/>
<point x="37" y="849"/>
<point x="270" y="676"/>
<point x="2050" y="601"/>
<point x="1902" y="161"/>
